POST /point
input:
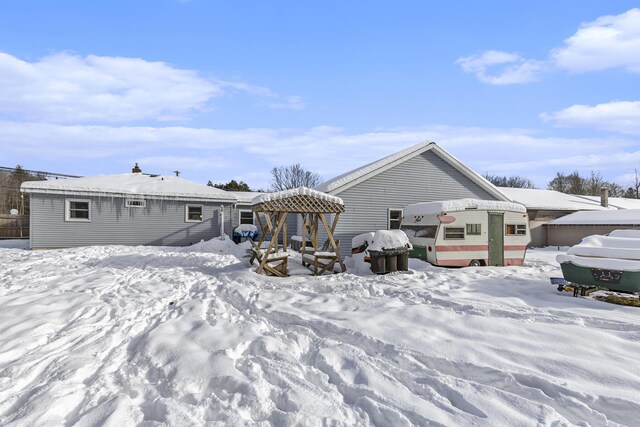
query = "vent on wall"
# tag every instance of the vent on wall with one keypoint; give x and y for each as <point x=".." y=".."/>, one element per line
<point x="135" y="203"/>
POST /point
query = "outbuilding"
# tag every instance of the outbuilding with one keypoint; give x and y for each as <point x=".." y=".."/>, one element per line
<point x="571" y="229"/>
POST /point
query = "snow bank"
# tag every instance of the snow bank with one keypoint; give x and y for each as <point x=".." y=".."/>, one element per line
<point x="439" y="207"/>
<point x="389" y="239"/>
<point x="300" y="191"/>
<point x="14" y="243"/>
<point x="129" y="336"/>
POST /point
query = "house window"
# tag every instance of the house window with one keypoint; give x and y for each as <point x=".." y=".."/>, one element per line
<point x="474" y="229"/>
<point x="394" y="218"/>
<point x="245" y="217"/>
<point x="77" y="210"/>
<point x="193" y="213"/>
<point x="515" y="229"/>
<point x="453" y="233"/>
<point x="135" y="203"/>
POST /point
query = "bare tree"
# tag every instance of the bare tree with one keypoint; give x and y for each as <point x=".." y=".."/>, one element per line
<point x="293" y="176"/>
<point x="511" y="181"/>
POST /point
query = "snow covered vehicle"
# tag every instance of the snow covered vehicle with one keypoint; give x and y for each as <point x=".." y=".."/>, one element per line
<point x="609" y="262"/>
<point x="467" y="232"/>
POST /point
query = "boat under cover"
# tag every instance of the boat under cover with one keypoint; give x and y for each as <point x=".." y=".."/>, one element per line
<point x="610" y="262"/>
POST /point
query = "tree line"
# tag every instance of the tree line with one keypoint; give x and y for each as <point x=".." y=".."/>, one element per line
<point x="574" y="183"/>
<point x="10" y="195"/>
<point x="282" y="178"/>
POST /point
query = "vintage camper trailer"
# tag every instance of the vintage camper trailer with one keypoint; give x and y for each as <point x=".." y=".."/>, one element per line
<point x="467" y="232"/>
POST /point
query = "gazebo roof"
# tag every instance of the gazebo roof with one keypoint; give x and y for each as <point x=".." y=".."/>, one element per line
<point x="298" y="200"/>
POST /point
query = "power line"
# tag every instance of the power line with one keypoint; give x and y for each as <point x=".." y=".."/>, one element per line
<point x="47" y="174"/>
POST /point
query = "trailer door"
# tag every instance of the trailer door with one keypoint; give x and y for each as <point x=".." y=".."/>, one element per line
<point x="496" y="238"/>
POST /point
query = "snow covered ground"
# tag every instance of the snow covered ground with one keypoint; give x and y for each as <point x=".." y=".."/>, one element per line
<point x="151" y="336"/>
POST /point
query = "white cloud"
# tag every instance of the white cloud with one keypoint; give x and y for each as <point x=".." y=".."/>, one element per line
<point x="289" y="103"/>
<point x="617" y="116"/>
<point x="501" y="68"/>
<point x="611" y="41"/>
<point x="68" y="88"/>
<point x="608" y="42"/>
<point x="204" y="154"/>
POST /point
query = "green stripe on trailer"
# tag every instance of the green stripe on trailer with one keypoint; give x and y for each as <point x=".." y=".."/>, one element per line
<point x="419" y="252"/>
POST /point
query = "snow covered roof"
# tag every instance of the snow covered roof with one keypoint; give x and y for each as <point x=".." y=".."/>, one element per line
<point x="435" y="208"/>
<point x="608" y="217"/>
<point x="617" y="202"/>
<point x="300" y="191"/>
<point x="551" y="200"/>
<point x="130" y="185"/>
<point x="351" y="178"/>
<point x="246" y="197"/>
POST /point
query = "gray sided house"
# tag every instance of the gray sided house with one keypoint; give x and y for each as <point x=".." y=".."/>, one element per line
<point x="544" y="207"/>
<point x="375" y="194"/>
<point x="126" y="209"/>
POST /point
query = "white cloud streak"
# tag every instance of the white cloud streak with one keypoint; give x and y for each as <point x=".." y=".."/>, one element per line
<point x="68" y="88"/>
<point x="611" y="41"/>
<point x="248" y="154"/>
<point x="616" y="116"/>
<point x="501" y="68"/>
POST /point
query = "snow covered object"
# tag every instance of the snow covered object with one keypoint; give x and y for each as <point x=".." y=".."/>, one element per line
<point x="467" y="232"/>
<point x="610" y="262"/>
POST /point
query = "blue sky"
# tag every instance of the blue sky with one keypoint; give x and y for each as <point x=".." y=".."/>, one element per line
<point x="222" y="90"/>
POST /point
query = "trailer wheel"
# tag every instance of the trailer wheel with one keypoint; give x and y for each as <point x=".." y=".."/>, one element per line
<point x="475" y="263"/>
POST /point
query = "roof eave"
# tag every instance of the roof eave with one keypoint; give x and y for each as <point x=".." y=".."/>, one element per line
<point x="386" y="167"/>
<point x="87" y="193"/>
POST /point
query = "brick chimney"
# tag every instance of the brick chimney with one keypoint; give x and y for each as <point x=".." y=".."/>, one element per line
<point x="604" y="197"/>
<point x="136" y="169"/>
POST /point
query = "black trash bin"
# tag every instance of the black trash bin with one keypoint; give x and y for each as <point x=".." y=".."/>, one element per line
<point x="378" y="262"/>
<point x="389" y="260"/>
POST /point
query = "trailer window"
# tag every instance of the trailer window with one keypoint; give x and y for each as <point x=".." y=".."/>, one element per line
<point x="426" y="231"/>
<point x="515" y="229"/>
<point x="453" y="233"/>
<point x="474" y="229"/>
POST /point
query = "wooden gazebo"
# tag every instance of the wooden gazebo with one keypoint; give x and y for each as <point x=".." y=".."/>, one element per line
<point x="271" y="211"/>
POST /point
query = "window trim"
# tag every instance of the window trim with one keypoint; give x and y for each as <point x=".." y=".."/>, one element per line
<point x="240" y="211"/>
<point x="389" y="218"/>
<point x="186" y="212"/>
<point x="128" y="203"/>
<point x="522" y="227"/>
<point x="444" y="233"/>
<point x="67" y="210"/>
<point x="470" y="226"/>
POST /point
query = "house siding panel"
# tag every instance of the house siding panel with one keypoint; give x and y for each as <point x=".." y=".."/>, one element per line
<point x="161" y="222"/>
<point x="423" y="178"/>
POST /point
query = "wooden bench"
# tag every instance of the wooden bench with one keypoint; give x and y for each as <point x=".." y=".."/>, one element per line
<point x="321" y="260"/>
<point x="272" y="266"/>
